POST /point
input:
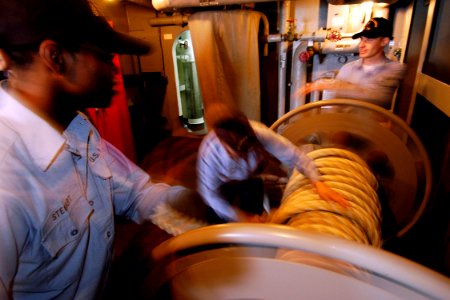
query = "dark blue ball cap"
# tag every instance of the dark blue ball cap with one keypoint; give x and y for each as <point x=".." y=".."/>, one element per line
<point x="376" y="27"/>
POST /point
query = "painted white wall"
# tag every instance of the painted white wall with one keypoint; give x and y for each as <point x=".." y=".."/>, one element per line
<point x="307" y="15"/>
<point x="138" y="22"/>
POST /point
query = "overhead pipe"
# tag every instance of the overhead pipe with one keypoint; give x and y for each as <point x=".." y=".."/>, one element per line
<point x="181" y="20"/>
<point x="173" y="4"/>
<point x="317" y="36"/>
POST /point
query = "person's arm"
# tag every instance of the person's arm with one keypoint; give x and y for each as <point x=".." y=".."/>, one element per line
<point x="13" y="232"/>
<point x="134" y="194"/>
<point x="285" y="151"/>
<point x="340" y="82"/>
<point x="208" y="182"/>
<point x="293" y="157"/>
<point x="324" y="84"/>
<point x="211" y="175"/>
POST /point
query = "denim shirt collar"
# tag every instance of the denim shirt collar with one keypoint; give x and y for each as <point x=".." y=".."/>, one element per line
<point x="43" y="142"/>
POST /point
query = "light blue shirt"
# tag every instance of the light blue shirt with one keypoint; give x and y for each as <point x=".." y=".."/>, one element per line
<point x="376" y="85"/>
<point x="215" y="166"/>
<point x="58" y="196"/>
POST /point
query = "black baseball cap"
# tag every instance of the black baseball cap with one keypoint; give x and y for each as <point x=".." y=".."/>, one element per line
<point x="376" y="27"/>
<point x="28" y="22"/>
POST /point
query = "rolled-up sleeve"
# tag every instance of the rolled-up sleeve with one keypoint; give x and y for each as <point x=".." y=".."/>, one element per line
<point x="134" y="194"/>
<point x="285" y="151"/>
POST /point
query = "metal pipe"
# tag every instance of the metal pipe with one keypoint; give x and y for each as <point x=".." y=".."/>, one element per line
<point x="181" y="20"/>
<point x="343" y="46"/>
<point x="169" y="4"/>
<point x="275" y="38"/>
<point x="282" y="59"/>
<point x="298" y="76"/>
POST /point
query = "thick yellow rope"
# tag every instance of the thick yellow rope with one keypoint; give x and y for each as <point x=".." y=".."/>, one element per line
<point x="347" y="173"/>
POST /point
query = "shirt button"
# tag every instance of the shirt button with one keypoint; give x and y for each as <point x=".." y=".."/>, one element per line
<point x="74" y="232"/>
<point x="91" y="203"/>
<point x="108" y="234"/>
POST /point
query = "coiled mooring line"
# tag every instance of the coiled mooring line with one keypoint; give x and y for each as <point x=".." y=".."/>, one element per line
<point x="302" y="208"/>
<point x="345" y="172"/>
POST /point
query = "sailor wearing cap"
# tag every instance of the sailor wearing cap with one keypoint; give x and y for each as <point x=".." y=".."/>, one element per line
<point x="60" y="183"/>
<point x="373" y="77"/>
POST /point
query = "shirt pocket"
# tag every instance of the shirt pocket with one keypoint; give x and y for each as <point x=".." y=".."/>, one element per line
<point x="61" y="229"/>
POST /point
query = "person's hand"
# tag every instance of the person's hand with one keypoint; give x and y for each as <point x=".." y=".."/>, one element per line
<point x="320" y="85"/>
<point x="328" y="194"/>
<point x="304" y="90"/>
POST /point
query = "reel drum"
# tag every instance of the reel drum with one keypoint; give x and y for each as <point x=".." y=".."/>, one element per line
<point x="387" y="144"/>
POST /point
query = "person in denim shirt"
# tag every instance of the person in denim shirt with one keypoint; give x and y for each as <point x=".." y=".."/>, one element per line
<point x="61" y="184"/>
<point x="234" y="155"/>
